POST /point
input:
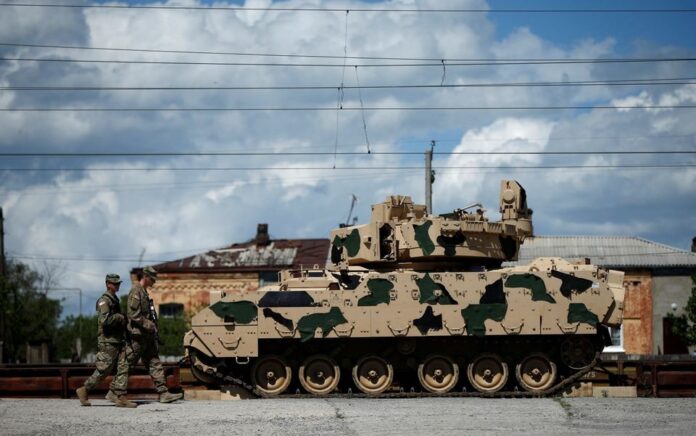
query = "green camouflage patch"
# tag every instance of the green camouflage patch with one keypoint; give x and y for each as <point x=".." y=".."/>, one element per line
<point x="423" y="238"/>
<point x="350" y="242"/>
<point x="532" y="282"/>
<point x="475" y="316"/>
<point x="578" y="312"/>
<point x="427" y="288"/>
<point x="307" y="325"/>
<point x="240" y="312"/>
<point x="509" y="246"/>
<point x="428" y="321"/>
<point x="280" y="319"/>
<point x="379" y="292"/>
<point x="450" y="243"/>
<point x="570" y="284"/>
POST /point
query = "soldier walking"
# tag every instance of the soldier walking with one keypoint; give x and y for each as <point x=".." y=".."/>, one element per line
<point x="142" y="325"/>
<point x="111" y="347"/>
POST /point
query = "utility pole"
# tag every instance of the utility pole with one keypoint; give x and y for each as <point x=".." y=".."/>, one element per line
<point x="429" y="178"/>
<point x="3" y="266"/>
<point x="2" y="286"/>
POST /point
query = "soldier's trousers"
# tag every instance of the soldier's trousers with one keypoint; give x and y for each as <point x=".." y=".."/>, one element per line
<point x="108" y="357"/>
<point x="145" y="348"/>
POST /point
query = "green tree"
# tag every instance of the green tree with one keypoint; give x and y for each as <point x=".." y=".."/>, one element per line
<point x="172" y="332"/>
<point x="684" y="325"/>
<point x="73" y="327"/>
<point x="28" y="315"/>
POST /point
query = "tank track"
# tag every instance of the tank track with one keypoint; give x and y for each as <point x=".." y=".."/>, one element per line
<point x="228" y="380"/>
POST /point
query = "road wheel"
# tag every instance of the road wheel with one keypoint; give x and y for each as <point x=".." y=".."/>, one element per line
<point x="487" y="373"/>
<point x="203" y="368"/>
<point x="271" y="375"/>
<point x="577" y="352"/>
<point x="536" y="372"/>
<point x="373" y="375"/>
<point x="319" y="375"/>
<point x="438" y="374"/>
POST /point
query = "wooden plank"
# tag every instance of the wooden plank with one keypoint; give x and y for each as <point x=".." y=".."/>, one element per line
<point x="31" y="384"/>
<point x="676" y="378"/>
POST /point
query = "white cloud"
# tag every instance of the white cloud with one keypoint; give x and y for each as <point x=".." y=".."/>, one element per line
<point x="100" y="214"/>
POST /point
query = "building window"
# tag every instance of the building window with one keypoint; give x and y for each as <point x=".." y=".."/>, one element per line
<point x="171" y="310"/>
<point x="617" y="341"/>
<point x="268" y="277"/>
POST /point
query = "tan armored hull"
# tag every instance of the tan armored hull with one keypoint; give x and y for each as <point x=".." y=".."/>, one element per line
<point x="408" y="299"/>
<point x="547" y="297"/>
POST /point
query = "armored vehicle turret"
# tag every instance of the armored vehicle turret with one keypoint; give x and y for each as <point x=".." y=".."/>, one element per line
<point x="414" y="300"/>
<point x="401" y="235"/>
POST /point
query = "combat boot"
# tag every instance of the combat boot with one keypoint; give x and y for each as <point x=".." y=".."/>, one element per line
<point x="168" y="397"/>
<point x="82" y="395"/>
<point x="123" y="401"/>
<point x="111" y="396"/>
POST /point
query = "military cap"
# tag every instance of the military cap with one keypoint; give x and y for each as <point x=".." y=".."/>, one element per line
<point x="113" y="278"/>
<point x="150" y="272"/>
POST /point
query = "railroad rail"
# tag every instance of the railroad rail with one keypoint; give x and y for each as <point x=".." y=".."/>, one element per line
<point x="653" y="376"/>
<point x="61" y="380"/>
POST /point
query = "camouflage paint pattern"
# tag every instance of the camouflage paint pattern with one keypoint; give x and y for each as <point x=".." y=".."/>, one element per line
<point x="414" y="304"/>
<point x="409" y="274"/>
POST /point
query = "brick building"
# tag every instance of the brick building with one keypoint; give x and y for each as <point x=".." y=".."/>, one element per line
<point x="184" y="285"/>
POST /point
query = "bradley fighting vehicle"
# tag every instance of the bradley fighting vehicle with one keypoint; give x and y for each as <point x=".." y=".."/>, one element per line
<point x="409" y="299"/>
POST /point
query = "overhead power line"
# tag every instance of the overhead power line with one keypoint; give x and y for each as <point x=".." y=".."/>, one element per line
<point x="193" y="185"/>
<point x="410" y="10"/>
<point x="623" y="82"/>
<point x="344" y="153"/>
<point x="438" y="64"/>
<point x="354" y="168"/>
<point x="344" y="108"/>
<point x="439" y="59"/>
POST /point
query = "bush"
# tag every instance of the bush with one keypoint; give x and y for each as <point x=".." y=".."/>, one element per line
<point x="684" y="325"/>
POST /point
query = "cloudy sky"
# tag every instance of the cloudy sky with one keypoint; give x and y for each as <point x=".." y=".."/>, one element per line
<point x="86" y="214"/>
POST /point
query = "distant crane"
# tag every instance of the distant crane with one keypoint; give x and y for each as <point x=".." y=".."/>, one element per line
<point x="353" y="200"/>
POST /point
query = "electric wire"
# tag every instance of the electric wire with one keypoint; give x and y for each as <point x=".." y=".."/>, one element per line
<point x="364" y="65"/>
<point x="439" y="59"/>
<point x="618" y="82"/>
<point x="344" y="108"/>
<point x="344" y="153"/>
<point x="352" y="168"/>
<point x="389" y="10"/>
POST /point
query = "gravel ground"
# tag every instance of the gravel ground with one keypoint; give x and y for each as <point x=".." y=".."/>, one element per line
<point x="432" y="416"/>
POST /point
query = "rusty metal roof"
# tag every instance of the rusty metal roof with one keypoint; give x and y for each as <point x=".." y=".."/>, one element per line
<point x="249" y="256"/>
<point x="607" y="251"/>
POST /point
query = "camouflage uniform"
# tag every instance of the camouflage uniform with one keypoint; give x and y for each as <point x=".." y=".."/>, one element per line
<point x="111" y="346"/>
<point x="142" y="329"/>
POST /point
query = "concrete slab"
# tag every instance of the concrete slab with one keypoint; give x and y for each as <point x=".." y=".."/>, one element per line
<point x="355" y="417"/>
<point x="226" y="393"/>
<point x="581" y="390"/>
<point x="615" y="392"/>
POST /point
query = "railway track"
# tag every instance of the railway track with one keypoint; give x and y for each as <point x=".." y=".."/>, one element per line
<point x="655" y="376"/>
<point x="61" y="380"/>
